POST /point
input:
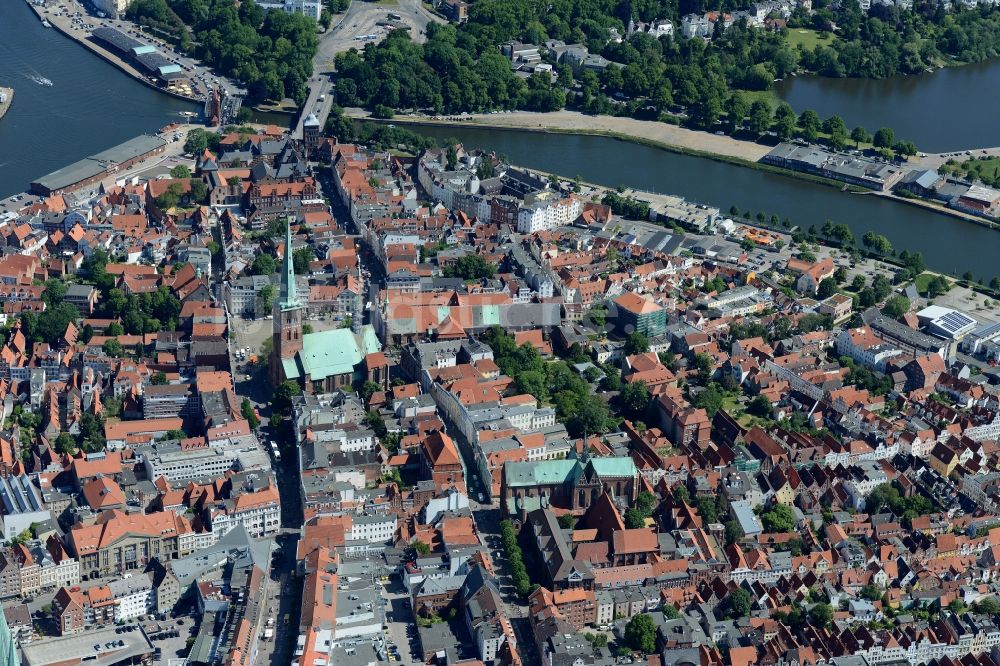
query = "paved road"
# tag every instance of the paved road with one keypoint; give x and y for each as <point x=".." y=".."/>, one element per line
<point x="362" y="19"/>
<point x="934" y="160"/>
<point x="358" y="26"/>
<point x="319" y="86"/>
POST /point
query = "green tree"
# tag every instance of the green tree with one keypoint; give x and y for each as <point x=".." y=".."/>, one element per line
<point x="263" y="264"/>
<point x="834" y="126"/>
<point x="633" y="518"/>
<point x="884" y="138"/>
<point x="470" y="267"/>
<point x="705" y="365"/>
<point x="112" y="348"/>
<point x="736" y="110"/>
<point x="368" y="389"/>
<point x="635" y="398"/>
<point x="860" y="135"/>
<point x="301" y="259"/>
<point x="821" y="615"/>
<point x="180" y="171"/>
<point x="760" y="406"/>
<point x="158" y="378"/>
<point x="65" y="443"/>
<point x="733" y="532"/>
<point x="760" y="117"/>
<point x="566" y="521"/>
<point x="710" y="399"/>
<point x="265" y="298"/>
<point x="635" y="343"/>
<point x="421" y="547"/>
<point x="281" y="402"/>
<point x="809" y="125"/>
<point x="640" y="634"/>
<point x="827" y="288"/>
<point x="896" y="306"/>
<point x="738" y="603"/>
<point x="55" y="291"/>
<point x="247" y="411"/>
<point x="779" y="518"/>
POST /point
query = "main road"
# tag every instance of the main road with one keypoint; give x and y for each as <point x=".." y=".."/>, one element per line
<point x="362" y="23"/>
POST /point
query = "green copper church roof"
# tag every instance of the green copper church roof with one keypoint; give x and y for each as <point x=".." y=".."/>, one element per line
<point x="8" y="651"/>
<point x="614" y="467"/>
<point x="289" y="299"/>
<point x="329" y="353"/>
<point x="539" y="473"/>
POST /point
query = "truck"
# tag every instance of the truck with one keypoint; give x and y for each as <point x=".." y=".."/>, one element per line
<point x="268" y="634"/>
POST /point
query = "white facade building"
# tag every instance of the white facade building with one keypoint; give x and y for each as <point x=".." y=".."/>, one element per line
<point x="134" y="596"/>
<point x="373" y="529"/>
<point x="311" y="8"/>
<point x="545" y="215"/>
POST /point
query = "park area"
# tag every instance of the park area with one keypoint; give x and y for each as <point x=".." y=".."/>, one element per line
<point x="808" y="39"/>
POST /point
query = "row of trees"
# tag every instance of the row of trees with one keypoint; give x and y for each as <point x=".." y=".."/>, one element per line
<point x="515" y="559"/>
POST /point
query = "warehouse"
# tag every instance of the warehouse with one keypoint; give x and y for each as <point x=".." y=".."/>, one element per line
<point x="93" y="169"/>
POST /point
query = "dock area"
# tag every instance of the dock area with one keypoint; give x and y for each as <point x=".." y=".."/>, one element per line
<point x="6" y="99"/>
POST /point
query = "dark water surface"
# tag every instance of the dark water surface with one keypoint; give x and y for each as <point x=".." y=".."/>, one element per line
<point x="954" y="108"/>
<point x="948" y="244"/>
<point x="90" y="106"/>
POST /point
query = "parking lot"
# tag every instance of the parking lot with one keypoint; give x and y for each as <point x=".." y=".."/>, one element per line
<point x="171" y="647"/>
<point x="81" y="19"/>
<point x="402" y="630"/>
<point x="360" y="25"/>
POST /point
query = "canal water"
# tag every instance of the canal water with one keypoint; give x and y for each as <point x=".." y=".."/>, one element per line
<point x="948" y="244"/>
<point x="90" y="106"/>
<point x="954" y="108"/>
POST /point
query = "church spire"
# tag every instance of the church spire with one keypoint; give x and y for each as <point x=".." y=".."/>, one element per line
<point x="289" y="299"/>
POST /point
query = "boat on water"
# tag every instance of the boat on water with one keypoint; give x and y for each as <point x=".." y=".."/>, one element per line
<point x="6" y="99"/>
<point x="41" y="80"/>
<point x="45" y="22"/>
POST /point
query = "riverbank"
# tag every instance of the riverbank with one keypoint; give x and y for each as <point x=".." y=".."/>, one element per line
<point x="656" y="135"/>
<point x="63" y="25"/>
<point x="6" y="99"/>
<point x="648" y="132"/>
<point x="938" y="208"/>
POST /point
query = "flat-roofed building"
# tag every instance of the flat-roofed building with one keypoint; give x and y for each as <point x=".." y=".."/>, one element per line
<point x="22" y="505"/>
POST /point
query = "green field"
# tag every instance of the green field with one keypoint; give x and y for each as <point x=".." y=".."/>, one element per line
<point x="922" y="280"/>
<point x="809" y="39"/>
<point x="986" y="169"/>
<point x="768" y="96"/>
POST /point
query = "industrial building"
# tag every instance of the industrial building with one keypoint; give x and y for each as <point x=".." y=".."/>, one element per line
<point x="93" y="169"/>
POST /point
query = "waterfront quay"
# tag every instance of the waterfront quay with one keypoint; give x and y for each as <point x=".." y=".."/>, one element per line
<point x="74" y="20"/>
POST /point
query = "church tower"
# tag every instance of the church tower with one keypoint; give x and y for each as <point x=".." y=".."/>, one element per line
<point x="287" y="332"/>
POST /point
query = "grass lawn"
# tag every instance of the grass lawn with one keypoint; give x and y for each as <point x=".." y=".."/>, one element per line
<point x="986" y="169"/>
<point x="731" y="403"/>
<point x="923" y="280"/>
<point x="808" y="39"/>
<point x="768" y="96"/>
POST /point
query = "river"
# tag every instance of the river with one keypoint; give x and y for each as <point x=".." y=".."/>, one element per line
<point x="90" y="106"/>
<point x="948" y="244"/>
<point x="950" y="109"/>
<point x="93" y="106"/>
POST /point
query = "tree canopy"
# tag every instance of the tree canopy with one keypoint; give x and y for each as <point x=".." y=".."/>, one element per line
<point x="270" y="52"/>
